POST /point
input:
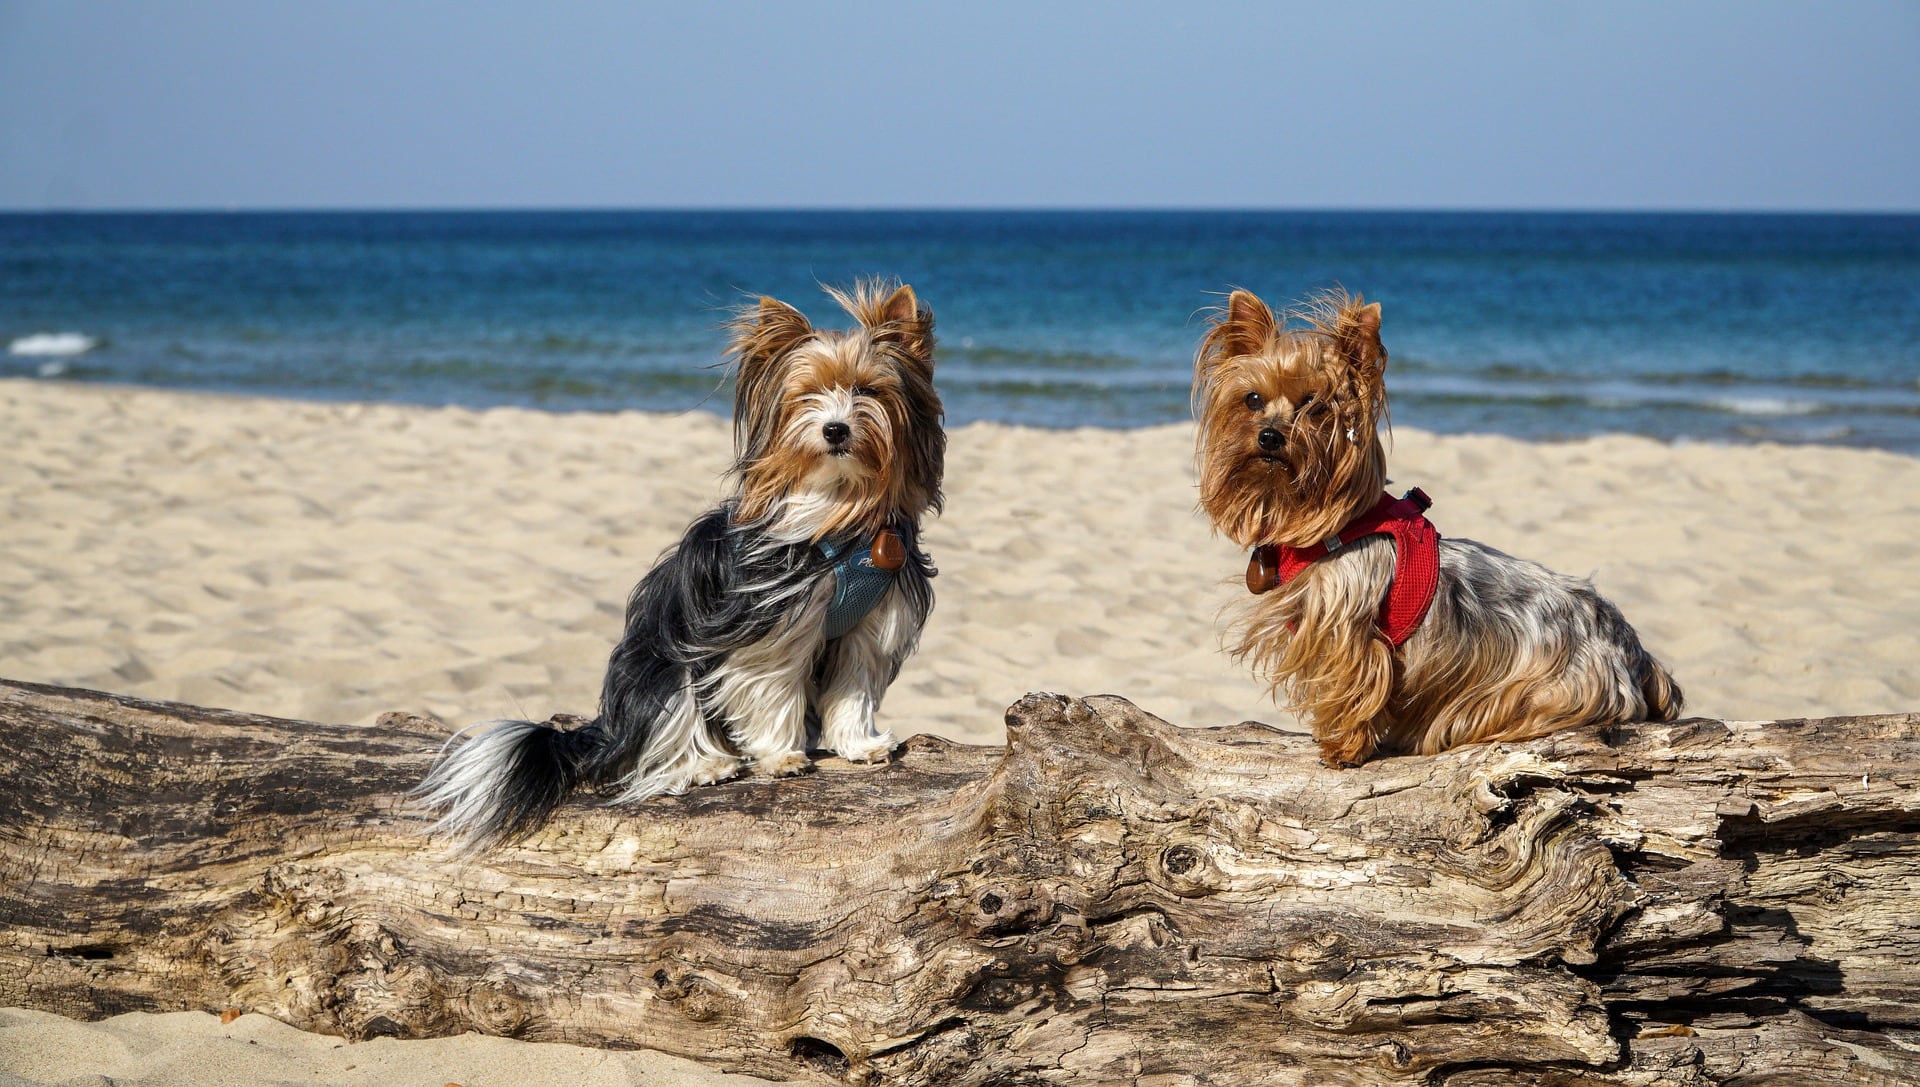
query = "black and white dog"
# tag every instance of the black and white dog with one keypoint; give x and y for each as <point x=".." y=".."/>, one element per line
<point x="781" y="616"/>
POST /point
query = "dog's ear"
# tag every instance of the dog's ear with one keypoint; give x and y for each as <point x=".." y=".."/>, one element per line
<point x="903" y="320"/>
<point x="1356" y="337"/>
<point x="1357" y="334"/>
<point x="901" y="307"/>
<point x="761" y="335"/>
<point x="768" y="331"/>
<point x="1246" y="327"/>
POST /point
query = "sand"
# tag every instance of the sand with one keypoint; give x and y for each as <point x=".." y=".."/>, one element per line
<point x="335" y="561"/>
<point x="195" y="1049"/>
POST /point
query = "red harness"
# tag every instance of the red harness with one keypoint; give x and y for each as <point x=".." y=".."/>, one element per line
<point x="1416" y="564"/>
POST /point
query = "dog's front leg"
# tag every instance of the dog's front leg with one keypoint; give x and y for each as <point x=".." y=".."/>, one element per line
<point x="859" y="667"/>
<point x="773" y="734"/>
<point x="762" y="689"/>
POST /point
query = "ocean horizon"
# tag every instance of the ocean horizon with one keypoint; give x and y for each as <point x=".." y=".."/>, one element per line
<point x="1690" y="326"/>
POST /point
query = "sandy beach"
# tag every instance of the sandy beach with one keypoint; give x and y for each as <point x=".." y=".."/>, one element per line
<point x="336" y="561"/>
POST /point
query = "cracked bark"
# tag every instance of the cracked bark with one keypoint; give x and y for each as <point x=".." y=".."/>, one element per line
<point x="1109" y="899"/>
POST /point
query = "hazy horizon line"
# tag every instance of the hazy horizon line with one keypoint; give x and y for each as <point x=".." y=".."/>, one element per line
<point x="910" y="209"/>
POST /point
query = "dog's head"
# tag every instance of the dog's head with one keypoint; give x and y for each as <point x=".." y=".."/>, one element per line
<point x="1289" y="443"/>
<point x="837" y="431"/>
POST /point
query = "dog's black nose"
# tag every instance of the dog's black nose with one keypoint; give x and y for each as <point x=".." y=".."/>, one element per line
<point x="1271" y="439"/>
<point x="836" y="433"/>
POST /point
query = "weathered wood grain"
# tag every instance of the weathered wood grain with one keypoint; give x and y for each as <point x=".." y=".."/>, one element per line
<point x="1108" y="899"/>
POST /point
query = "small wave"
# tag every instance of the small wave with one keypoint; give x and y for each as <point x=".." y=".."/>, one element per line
<point x="1519" y="372"/>
<point x="52" y="369"/>
<point x="55" y="344"/>
<point x="1824" y="435"/>
<point x="1764" y="405"/>
<point x="1754" y="399"/>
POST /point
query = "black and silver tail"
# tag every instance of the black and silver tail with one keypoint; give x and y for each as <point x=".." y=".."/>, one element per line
<point x="721" y="587"/>
<point x="502" y="783"/>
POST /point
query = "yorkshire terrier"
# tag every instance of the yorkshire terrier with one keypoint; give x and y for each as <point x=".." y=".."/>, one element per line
<point x="781" y="616"/>
<point x="1384" y="637"/>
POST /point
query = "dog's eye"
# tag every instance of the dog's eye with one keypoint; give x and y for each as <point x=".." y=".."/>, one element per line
<point x="865" y="390"/>
<point x="1255" y="402"/>
<point x="1305" y="402"/>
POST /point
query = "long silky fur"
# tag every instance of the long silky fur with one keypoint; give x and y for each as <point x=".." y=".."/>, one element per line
<point x="732" y="614"/>
<point x="1509" y="650"/>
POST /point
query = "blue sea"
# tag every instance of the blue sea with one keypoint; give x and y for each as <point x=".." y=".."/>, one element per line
<point x="1718" y="328"/>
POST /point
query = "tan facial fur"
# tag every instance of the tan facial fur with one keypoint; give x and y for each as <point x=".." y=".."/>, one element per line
<point x="795" y="382"/>
<point x="1318" y="390"/>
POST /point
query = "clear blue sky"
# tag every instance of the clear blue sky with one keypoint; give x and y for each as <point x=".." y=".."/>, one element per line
<point x="1769" y="105"/>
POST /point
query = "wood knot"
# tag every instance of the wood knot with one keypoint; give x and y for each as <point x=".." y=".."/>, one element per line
<point x="1002" y="994"/>
<point x="999" y="907"/>
<point x="1179" y="859"/>
<point x="1188" y="870"/>
<point x="1325" y="953"/>
<point x="500" y="1010"/>
<point x="668" y="987"/>
<point x="697" y="1000"/>
<point x="1398" y="1055"/>
<point x="702" y="1005"/>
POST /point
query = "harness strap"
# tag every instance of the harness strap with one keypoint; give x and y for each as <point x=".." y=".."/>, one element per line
<point x="861" y="576"/>
<point x="1416" y="564"/>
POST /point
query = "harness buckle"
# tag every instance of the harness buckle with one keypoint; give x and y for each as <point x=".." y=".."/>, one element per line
<point x="1419" y="498"/>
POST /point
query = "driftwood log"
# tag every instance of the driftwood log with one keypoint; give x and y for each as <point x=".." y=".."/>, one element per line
<point x="1107" y="899"/>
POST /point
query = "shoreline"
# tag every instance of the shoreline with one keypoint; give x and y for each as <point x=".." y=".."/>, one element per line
<point x="335" y="560"/>
<point x="717" y="405"/>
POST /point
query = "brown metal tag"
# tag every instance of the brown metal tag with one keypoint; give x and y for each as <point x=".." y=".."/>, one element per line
<point x="888" y="553"/>
<point x="1263" y="569"/>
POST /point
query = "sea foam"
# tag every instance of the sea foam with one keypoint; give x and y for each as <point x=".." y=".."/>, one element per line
<point x="57" y="344"/>
<point x="1763" y="405"/>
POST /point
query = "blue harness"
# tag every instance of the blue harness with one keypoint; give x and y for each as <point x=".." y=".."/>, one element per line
<point x="858" y="584"/>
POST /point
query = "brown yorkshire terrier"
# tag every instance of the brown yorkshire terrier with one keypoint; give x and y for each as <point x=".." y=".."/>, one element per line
<point x="1385" y="638"/>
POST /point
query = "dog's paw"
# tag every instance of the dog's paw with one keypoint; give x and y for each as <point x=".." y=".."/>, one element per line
<point x="785" y="764"/>
<point x="715" y="770"/>
<point x="1345" y="754"/>
<point x="870" y="748"/>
